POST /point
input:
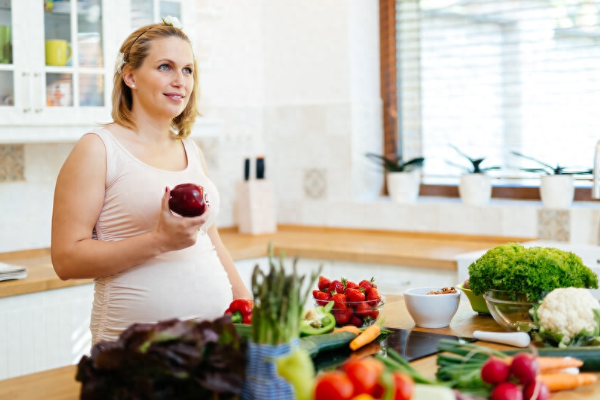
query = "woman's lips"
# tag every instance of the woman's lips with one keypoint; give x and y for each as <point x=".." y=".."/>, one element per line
<point x="175" y="97"/>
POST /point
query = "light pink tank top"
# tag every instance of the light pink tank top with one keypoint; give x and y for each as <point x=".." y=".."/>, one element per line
<point x="185" y="284"/>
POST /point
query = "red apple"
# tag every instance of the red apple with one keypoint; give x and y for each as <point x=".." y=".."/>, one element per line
<point x="188" y="200"/>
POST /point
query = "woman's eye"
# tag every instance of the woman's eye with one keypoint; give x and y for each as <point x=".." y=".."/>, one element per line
<point x="164" y="67"/>
<point x="187" y="70"/>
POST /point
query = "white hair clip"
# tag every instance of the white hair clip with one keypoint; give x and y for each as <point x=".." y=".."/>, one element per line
<point x="120" y="63"/>
<point x="172" y="21"/>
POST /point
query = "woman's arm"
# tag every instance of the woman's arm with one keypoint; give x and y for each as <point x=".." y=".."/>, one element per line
<point x="78" y="200"/>
<point x="237" y="286"/>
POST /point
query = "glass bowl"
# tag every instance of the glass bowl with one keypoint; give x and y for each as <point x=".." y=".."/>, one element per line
<point x="510" y="310"/>
<point x="478" y="303"/>
<point x="359" y="313"/>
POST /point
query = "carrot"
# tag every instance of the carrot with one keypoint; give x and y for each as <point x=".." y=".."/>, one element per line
<point x="348" y="328"/>
<point x="553" y="364"/>
<point x="366" y="337"/>
<point x="565" y="381"/>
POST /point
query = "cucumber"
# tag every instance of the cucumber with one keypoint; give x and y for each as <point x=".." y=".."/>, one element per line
<point x="317" y="343"/>
<point x="589" y="355"/>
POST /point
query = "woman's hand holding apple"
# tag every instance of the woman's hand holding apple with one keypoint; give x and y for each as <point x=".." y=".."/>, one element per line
<point x="176" y="232"/>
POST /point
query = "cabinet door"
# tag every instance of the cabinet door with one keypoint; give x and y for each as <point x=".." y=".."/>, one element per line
<point x="12" y="102"/>
<point x="75" y="80"/>
<point x="62" y="72"/>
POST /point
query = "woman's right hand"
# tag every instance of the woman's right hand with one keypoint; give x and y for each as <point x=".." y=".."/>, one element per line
<point x="176" y="232"/>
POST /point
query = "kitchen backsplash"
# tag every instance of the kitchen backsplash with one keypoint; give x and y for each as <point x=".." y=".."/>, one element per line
<point x="12" y="163"/>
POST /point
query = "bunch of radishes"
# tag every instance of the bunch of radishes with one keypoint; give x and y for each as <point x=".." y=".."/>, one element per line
<point x="515" y="381"/>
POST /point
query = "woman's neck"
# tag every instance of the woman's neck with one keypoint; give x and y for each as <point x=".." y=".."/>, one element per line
<point x="153" y="128"/>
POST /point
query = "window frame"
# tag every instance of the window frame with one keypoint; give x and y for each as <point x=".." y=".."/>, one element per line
<point x="392" y="140"/>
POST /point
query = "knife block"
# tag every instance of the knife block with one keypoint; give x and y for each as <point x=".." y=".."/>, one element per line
<point x="256" y="207"/>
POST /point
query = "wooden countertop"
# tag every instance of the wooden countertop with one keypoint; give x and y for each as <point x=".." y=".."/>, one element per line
<point x="60" y="384"/>
<point x="416" y="249"/>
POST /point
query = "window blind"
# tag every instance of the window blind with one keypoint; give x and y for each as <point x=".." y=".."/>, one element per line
<point x="495" y="76"/>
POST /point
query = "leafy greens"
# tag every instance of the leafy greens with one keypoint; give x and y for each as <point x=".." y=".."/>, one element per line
<point x="533" y="271"/>
<point x="168" y="360"/>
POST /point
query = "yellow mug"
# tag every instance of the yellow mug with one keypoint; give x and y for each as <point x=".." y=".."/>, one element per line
<point x="58" y="52"/>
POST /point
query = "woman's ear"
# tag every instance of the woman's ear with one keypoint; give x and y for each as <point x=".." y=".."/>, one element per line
<point x="128" y="77"/>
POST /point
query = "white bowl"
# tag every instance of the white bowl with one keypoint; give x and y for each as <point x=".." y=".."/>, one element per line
<point x="431" y="310"/>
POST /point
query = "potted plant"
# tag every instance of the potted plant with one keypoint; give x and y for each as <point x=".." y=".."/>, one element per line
<point x="475" y="186"/>
<point x="557" y="188"/>
<point x="403" y="178"/>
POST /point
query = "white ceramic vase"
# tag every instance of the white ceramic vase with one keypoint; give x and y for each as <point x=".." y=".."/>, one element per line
<point x="557" y="191"/>
<point x="475" y="189"/>
<point x="403" y="187"/>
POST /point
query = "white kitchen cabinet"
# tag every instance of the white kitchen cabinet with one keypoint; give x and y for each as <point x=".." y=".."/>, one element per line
<point x="60" y="71"/>
<point x="44" y="330"/>
<point x="47" y="95"/>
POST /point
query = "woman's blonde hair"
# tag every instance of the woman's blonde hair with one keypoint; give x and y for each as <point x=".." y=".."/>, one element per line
<point x="134" y="51"/>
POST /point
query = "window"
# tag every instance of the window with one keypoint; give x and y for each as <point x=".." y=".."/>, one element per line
<point x="491" y="77"/>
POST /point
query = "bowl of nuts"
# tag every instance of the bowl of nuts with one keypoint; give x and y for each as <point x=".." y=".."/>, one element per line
<point x="432" y="307"/>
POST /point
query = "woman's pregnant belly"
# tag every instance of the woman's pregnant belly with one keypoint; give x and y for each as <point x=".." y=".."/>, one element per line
<point x="191" y="283"/>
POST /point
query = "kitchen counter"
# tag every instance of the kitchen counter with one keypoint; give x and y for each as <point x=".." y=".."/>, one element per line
<point x="60" y="384"/>
<point x="414" y="249"/>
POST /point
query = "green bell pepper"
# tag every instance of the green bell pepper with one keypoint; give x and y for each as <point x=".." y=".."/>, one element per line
<point x="318" y="321"/>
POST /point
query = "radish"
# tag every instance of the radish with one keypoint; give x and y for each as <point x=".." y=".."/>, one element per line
<point x="507" y="391"/>
<point x="543" y="392"/>
<point x="525" y="368"/>
<point x="495" y="371"/>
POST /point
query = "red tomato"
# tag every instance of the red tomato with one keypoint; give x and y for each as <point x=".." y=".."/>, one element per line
<point x="333" y="385"/>
<point x="403" y="386"/>
<point x="363" y="374"/>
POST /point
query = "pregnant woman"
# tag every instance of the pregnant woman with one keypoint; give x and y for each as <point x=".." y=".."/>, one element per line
<point x="111" y="218"/>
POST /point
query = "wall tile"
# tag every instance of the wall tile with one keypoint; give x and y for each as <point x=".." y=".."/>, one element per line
<point x="519" y="221"/>
<point x="314" y="183"/>
<point x="554" y="225"/>
<point x="12" y="163"/>
<point x="339" y="120"/>
<point x="585" y="225"/>
<point x="314" y="212"/>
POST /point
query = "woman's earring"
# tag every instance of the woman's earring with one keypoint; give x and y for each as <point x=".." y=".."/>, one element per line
<point x="133" y="85"/>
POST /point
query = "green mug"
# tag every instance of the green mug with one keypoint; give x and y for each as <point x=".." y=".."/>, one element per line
<point x="5" y="45"/>
<point x="58" y="52"/>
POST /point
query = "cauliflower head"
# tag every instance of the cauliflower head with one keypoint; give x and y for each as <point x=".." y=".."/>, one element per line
<point x="566" y="312"/>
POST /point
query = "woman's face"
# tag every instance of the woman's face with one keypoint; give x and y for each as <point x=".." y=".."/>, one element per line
<point x="164" y="82"/>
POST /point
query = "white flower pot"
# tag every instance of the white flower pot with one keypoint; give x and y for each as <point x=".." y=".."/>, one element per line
<point x="557" y="191"/>
<point x="403" y="187"/>
<point x="475" y="189"/>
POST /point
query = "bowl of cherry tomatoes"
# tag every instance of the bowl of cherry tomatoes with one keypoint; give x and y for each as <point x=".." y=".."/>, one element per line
<point x="354" y="303"/>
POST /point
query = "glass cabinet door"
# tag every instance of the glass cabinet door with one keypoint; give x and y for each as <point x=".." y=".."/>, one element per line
<point x="74" y="59"/>
<point x="7" y="71"/>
